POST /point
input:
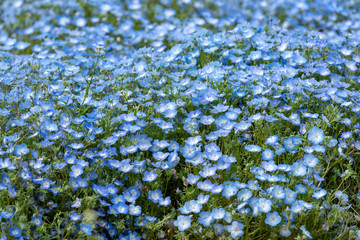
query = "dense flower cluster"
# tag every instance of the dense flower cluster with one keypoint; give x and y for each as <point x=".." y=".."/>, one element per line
<point x="184" y="119"/>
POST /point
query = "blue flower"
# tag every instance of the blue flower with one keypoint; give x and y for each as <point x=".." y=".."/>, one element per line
<point x="121" y="208"/>
<point x="76" y="171"/>
<point x="272" y="140"/>
<point x="305" y="232"/>
<point x="202" y="199"/>
<point x="244" y="195"/>
<point x="298" y="169"/>
<point x="155" y="196"/>
<point x="192" y="179"/>
<point x="182" y="222"/>
<point x="218" y="229"/>
<point x="37" y="220"/>
<point x="191" y="125"/>
<point x="310" y="160"/>
<point x="278" y="192"/>
<point x="135" y="210"/>
<point x="21" y="150"/>
<point x="74" y="216"/>
<point x="316" y="135"/>
<point x="253" y="148"/>
<point x="149" y="176"/>
<point x="206" y="218"/>
<point x="319" y="194"/>
<point x="236" y="229"/>
<point x="230" y="190"/>
<point x="267" y="155"/>
<point x="300" y="188"/>
<point x="272" y="218"/>
<point x="264" y="205"/>
<point x="285" y="231"/>
<point x="76" y="146"/>
<point x="290" y="196"/>
<point x="193" y="206"/>
<point x="189" y="151"/>
<point x="15" y="231"/>
<point x="86" y="228"/>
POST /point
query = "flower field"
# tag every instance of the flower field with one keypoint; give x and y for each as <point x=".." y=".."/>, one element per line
<point x="187" y="119"/>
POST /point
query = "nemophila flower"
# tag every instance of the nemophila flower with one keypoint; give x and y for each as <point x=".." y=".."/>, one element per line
<point x="63" y="20"/>
<point x="253" y="148"/>
<point x="267" y="155"/>
<point x="269" y="166"/>
<point x="15" y="232"/>
<point x="37" y="220"/>
<point x="110" y="140"/>
<point x="198" y="159"/>
<point x="264" y="205"/>
<point x="212" y="147"/>
<point x="298" y="169"/>
<point x="76" y="171"/>
<point x="165" y="201"/>
<point x="305" y="232"/>
<point x="242" y="126"/>
<point x="232" y="115"/>
<point x="300" y="189"/>
<point x="213" y="155"/>
<point x="26" y="174"/>
<point x="189" y="151"/>
<point x="346" y="135"/>
<point x="155" y="196"/>
<point x="173" y="146"/>
<point x="230" y="190"/>
<point x="278" y="192"/>
<point x="272" y="219"/>
<point x="207" y="185"/>
<point x="310" y="160"/>
<point x="173" y="159"/>
<point x="272" y="140"/>
<point x="149" y="176"/>
<point x="208" y="171"/>
<point x="46" y="183"/>
<point x="319" y="194"/>
<point x="111" y="189"/>
<point x="297" y="207"/>
<point x="21" y="150"/>
<point x="192" y="179"/>
<point x="184" y="210"/>
<point x="290" y="196"/>
<point x="135" y="210"/>
<point x="332" y="143"/>
<point x="191" y="125"/>
<point x="202" y="199"/>
<point x="319" y="148"/>
<point x="131" y="194"/>
<point x="193" y="140"/>
<point x="217" y="188"/>
<point x="244" y="195"/>
<point x="279" y="149"/>
<point x="160" y="156"/>
<point x="76" y="203"/>
<point x="218" y="213"/>
<point x="284" y="231"/>
<point x="193" y="206"/>
<point x="206" y="218"/>
<point x="235" y="229"/>
<point x="289" y="145"/>
<point x="218" y="229"/>
<point x="316" y="135"/>
<point x="86" y="228"/>
<point x="76" y="146"/>
<point x="183" y="222"/>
